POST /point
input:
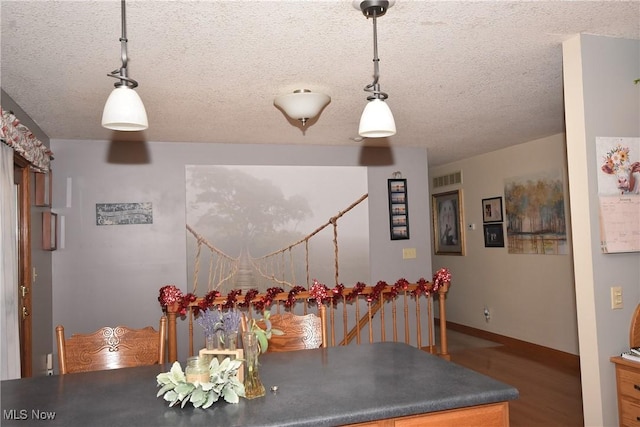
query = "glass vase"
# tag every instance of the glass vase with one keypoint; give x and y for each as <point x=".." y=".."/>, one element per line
<point x="214" y="341"/>
<point x="253" y="387"/>
<point x="231" y="340"/>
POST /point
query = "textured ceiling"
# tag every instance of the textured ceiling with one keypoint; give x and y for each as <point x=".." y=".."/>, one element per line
<point x="463" y="78"/>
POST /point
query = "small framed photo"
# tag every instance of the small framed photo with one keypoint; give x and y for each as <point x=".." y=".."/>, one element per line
<point x="448" y="228"/>
<point x="398" y="209"/>
<point x="493" y="236"/>
<point x="43" y="189"/>
<point x="49" y="231"/>
<point x="492" y="210"/>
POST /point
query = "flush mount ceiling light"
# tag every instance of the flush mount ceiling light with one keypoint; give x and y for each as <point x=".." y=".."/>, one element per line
<point x="376" y="120"/>
<point x="302" y="104"/>
<point x="124" y="109"/>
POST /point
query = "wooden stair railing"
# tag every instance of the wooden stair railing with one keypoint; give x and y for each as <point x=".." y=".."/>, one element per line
<point x="373" y="309"/>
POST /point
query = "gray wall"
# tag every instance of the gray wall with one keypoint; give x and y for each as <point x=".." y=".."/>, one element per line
<point x="112" y="274"/>
<point x="601" y="101"/>
<point x="41" y="288"/>
<point x="530" y="297"/>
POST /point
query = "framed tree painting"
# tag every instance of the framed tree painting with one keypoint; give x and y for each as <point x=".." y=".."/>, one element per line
<point x="448" y="228"/>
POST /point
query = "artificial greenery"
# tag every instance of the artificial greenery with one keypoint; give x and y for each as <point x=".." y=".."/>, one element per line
<point x="264" y="335"/>
<point x="223" y="381"/>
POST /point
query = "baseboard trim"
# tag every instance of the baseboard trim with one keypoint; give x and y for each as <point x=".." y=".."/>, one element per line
<point x="533" y="351"/>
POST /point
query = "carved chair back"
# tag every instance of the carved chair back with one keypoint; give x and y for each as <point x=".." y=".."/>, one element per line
<point x="299" y="332"/>
<point x="111" y="348"/>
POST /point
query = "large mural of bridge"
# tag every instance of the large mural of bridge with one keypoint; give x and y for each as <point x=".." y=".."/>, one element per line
<point x="255" y="227"/>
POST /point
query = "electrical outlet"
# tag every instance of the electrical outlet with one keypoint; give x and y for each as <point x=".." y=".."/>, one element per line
<point x="616" y="297"/>
<point x="487" y="314"/>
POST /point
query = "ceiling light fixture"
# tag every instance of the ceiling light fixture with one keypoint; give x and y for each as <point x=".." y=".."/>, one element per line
<point x="302" y="104"/>
<point x="124" y="109"/>
<point x="376" y="120"/>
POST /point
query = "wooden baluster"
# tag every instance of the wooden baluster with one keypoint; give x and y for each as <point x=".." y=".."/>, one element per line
<point x="431" y="324"/>
<point x="382" y="328"/>
<point x="171" y="332"/>
<point x="442" y="293"/>
<point x="419" y="323"/>
<point x="357" y="320"/>
<point x="323" y="318"/>
<point x="394" y="315"/>
<point x="345" y="320"/>
<point x="406" y="319"/>
<point x="370" y="320"/>
<point x="190" y="331"/>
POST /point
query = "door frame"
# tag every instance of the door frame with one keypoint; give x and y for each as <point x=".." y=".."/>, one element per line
<point x="22" y="175"/>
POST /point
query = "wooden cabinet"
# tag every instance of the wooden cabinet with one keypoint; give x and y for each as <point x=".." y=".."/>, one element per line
<point x="628" y="381"/>
<point x="492" y="415"/>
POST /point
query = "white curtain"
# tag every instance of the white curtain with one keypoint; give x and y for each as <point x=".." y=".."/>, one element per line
<point x="9" y="334"/>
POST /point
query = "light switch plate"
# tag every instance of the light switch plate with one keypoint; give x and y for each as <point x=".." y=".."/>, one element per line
<point x="616" y="297"/>
<point x="408" y="253"/>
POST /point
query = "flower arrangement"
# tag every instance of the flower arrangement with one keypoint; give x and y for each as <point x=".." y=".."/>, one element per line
<point x="231" y="321"/>
<point x="615" y="160"/>
<point x="223" y="382"/>
<point x="210" y="321"/>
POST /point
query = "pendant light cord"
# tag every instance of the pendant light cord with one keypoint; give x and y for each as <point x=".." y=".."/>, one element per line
<point x="374" y="87"/>
<point x="121" y="73"/>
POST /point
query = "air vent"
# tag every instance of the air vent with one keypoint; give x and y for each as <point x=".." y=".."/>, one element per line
<point x="448" y="179"/>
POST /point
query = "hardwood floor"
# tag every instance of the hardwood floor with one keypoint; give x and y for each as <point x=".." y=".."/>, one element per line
<point x="550" y="390"/>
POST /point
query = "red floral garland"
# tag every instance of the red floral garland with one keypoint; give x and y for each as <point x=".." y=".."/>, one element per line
<point x="170" y="294"/>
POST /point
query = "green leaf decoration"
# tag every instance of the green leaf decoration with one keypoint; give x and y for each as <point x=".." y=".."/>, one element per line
<point x="223" y="381"/>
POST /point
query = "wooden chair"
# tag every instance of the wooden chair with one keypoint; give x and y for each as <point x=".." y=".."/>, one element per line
<point x="111" y="348"/>
<point x="634" y="330"/>
<point x="300" y="332"/>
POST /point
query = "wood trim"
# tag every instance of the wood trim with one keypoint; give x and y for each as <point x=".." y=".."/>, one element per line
<point x="24" y="254"/>
<point x="533" y="351"/>
<point x="489" y="415"/>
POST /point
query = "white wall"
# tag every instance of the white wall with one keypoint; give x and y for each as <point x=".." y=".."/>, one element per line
<point x="530" y="297"/>
<point x="106" y="275"/>
<point x="600" y="100"/>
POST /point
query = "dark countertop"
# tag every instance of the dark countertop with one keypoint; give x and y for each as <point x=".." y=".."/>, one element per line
<point x="323" y="387"/>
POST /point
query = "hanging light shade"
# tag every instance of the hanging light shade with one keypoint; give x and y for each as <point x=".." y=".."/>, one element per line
<point x="302" y="104"/>
<point x="377" y="120"/>
<point x="124" y="110"/>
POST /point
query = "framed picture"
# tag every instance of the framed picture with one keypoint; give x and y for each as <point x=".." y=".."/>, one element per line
<point x="49" y="231"/>
<point x="493" y="236"/>
<point x="448" y="228"/>
<point x="398" y="209"/>
<point x="43" y="188"/>
<point x="492" y="210"/>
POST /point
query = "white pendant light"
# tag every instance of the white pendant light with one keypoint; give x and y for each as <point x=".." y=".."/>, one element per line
<point x="124" y="110"/>
<point x="302" y="104"/>
<point x="377" y="120"/>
